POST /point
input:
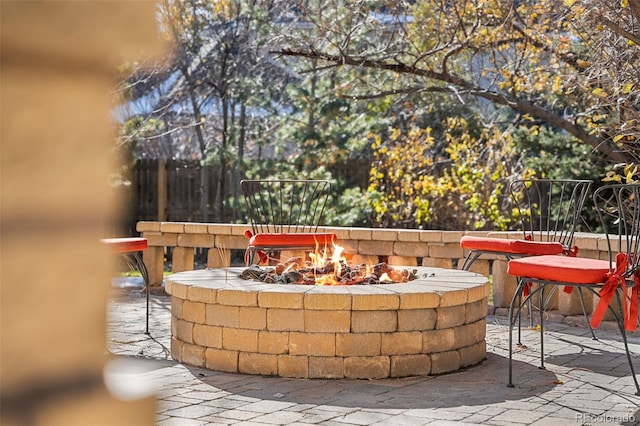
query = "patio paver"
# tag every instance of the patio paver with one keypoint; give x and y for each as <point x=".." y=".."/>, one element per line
<point x="586" y="382"/>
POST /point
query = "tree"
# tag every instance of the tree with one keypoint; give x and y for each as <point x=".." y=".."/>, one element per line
<point x="528" y="56"/>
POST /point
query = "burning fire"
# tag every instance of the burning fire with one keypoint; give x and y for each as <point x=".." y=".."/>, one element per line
<point x="326" y="267"/>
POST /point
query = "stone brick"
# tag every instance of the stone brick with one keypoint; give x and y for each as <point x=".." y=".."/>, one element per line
<point x="193" y="355"/>
<point x="219" y="228"/>
<point x="221" y="360"/>
<point x="147" y="226"/>
<point x="201" y="294"/>
<point x="449" y="317"/>
<point x="504" y="285"/>
<point x="195" y="240"/>
<point x="173" y="227"/>
<point x="437" y="262"/>
<point x="403" y="261"/>
<point x="176" y="308"/>
<point x="401" y="343"/>
<point x="327" y="301"/>
<point x="475" y="311"/>
<point x="218" y="258"/>
<point x="481" y="266"/>
<point x="410" y="249"/>
<point x="410" y="365"/>
<point x="377" y="367"/>
<point x="207" y="335"/>
<point x="360" y="233"/>
<point x="419" y="300"/>
<point x="326" y="368"/>
<point x="179" y="290"/>
<point x="479" y="292"/>
<point x="452" y="236"/>
<point x="231" y="241"/>
<point x="193" y="311"/>
<point x="196" y="228"/>
<point x="374" y="321"/>
<point x="176" y="348"/>
<point x="438" y="340"/>
<point x="273" y="342"/>
<point x="314" y="344"/>
<point x="238" y="229"/>
<point x="408" y="235"/>
<point x="184" y="331"/>
<point x="153" y="258"/>
<point x="293" y="366"/>
<point x="262" y="364"/>
<point x="162" y="240"/>
<point x="281" y="299"/>
<point x="234" y="339"/>
<point x="470" y="334"/>
<point x="253" y="318"/>
<point x="452" y="298"/>
<point x="237" y="297"/>
<point x="380" y="234"/>
<point x="378" y="248"/>
<point x="416" y="319"/>
<point x="365" y="258"/>
<point x="285" y="319"/>
<point x="569" y="304"/>
<point x="222" y="315"/>
<point x="358" y="344"/>
<point x="449" y="251"/>
<point x="327" y="321"/>
<point x="182" y="259"/>
<point x="472" y="355"/>
<point x="445" y="362"/>
<point x="375" y="301"/>
<point x="431" y="236"/>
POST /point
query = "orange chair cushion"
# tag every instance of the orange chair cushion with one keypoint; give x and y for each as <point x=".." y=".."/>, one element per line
<point x="126" y="245"/>
<point x="292" y="240"/>
<point x="502" y="245"/>
<point x="576" y="270"/>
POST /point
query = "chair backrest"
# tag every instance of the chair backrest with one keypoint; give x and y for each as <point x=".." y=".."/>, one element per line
<point x="549" y="209"/>
<point x="618" y="208"/>
<point x="285" y="206"/>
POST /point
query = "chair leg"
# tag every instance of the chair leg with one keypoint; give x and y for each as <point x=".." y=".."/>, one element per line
<point x="541" y="310"/>
<point x="620" y="321"/>
<point x="586" y="316"/>
<point x="138" y="264"/>
<point x="470" y="259"/>
<point x="517" y="296"/>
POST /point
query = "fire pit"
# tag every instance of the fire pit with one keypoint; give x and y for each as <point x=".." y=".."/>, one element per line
<point x="431" y="325"/>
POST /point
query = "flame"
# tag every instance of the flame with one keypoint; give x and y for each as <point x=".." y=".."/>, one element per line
<point x="319" y="260"/>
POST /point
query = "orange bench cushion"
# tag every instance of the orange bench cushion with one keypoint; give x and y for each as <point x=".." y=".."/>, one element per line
<point x="126" y="245"/>
<point x="292" y="240"/>
<point x="503" y="245"/>
<point x="565" y="269"/>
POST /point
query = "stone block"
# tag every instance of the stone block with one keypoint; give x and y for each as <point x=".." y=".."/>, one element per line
<point x="410" y="365"/>
<point x="416" y="319"/>
<point x="410" y="249"/>
<point x="359" y="258"/>
<point x="472" y="355"/>
<point x="176" y="348"/>
<point x="358" y="344"/>
<point x="408" y="235"/>
<point x="364" y="234"/>
<point x="449" y="317"/>
<point x="475" y="311"/>
<point x="375" y="301"/>
<point x="221" y="360"/>
<point x="420" y="300"/>
<point x="569" y="303"/>
<point x="327" y="321"/>
<point x="481" y="266"/>
<point x="377" y="367"/>
<point x="207" y="335"/>
<point x="161" y="240"/>
<point x="445" y="362"/>
<point x="172" y="227"/>
<point x="218" y="258"/>
<point x="285" y="319"/>
<point x="374" y="321"/>
<point x="234" y="339"/>
<point x="454" y="298"/>
<point x="293" y="366"/>
<point x="238" y="242"/>
<point x="182" y="259"/>
<point x="253" y="318"/>
<point x="273" y="342"/>
<point x="401" y="343"/>
<point x="237" y="297"/>
<point x="153" y="258"/>
<point x="431" y="236"/>
<point x="326" y="368"/>
<point x="469" y="334"/>
<point x="449" y="251"/>
<point x="313" y="344"/>
<point x="437" y="262"/>
<point x="222" y="315"/>
<point x="281" y="299"/>
<point x="262" y="364"/>
<point x="403" y="261"/>
<point x="220" y="228"/>
<point x="377" y="248"/>
<point x="327" y="301"/>
<point x="195" y="240"/>
<point x="504" y="285"/>
<point x="193" y="311"/>
<point x="176" y="308"/>
<point x="380" y="234"/>
<point x="438" y="340"/>
<point x="196" y="228"/>
<point x="147" y="226"/>
<point x="193" y="355"/>
<point x="200" y="294"/>
<point x="184" y="331"/>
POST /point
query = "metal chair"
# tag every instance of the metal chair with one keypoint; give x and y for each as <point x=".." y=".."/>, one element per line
<point x="285" y="215"/>
<point x="618" y="207"/>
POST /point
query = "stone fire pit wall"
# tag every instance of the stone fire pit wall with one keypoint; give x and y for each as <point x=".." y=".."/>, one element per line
<point x="430" y="326"/>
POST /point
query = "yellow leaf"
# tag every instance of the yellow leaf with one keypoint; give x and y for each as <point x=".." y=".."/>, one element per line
<point x="626" y="89"/>
<point x="624" y="3"/>
<point x="570" y="3"/>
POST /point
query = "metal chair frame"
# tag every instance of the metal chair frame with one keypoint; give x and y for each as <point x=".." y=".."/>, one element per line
<point x="618" y="208"/>
<point x="285" y="207"/>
